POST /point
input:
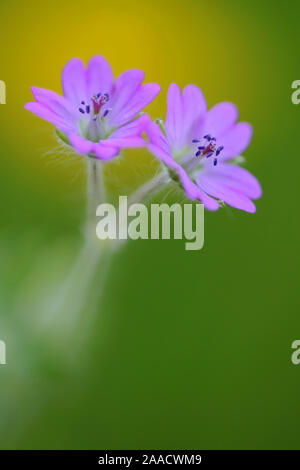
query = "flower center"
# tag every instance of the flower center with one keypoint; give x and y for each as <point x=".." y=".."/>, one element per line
<point x="94" y="128"/>
<point x="208" y="148"/>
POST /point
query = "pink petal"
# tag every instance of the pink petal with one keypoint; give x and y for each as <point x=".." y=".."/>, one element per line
<point x="45" y="113"/>
<point x="236" y="140"/>
<point x="105" y="152"/>
<point x="174" y="119"/>
<point x="219" y="119"/>
<point x="143" y="96"/>
<point x="56" y="103"/>
<point x="236" y="178"/>
<point x="100" y="77"/>
<point x="126" y="85"/>
<point x="86" y="147"/>
<point x="225" y="193"/>
<point x="194" y="192"/>
<point x="126" y="142"/>
<point x="194" y="108"/>
<point x="158" y="145"/>
<point x="80" y="144"/>
<point x="135" y="127"/>
<point x="74" y="82"/>
<point x="129" y="135"/>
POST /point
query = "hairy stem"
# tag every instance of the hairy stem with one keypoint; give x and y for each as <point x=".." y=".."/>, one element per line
<point x="150" y="187"/>
<point x="70" y="313"/>
<point x="95" y="194"/>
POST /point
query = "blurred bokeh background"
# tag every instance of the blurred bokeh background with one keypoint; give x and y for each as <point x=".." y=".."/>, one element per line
<point x="180" y="349"/>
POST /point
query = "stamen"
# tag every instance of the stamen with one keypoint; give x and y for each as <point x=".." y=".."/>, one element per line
<point x="209" y="149"/>
<point x="95" y="110"/>
<point x="219" y="150"/>
<point x="98" y="101"/>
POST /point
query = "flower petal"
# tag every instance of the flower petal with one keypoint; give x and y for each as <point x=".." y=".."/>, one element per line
<point x="126" y="142"/>
<point x="219" y="119"/>
<point x="74" y="82"/>
<point x="56" y="103"/>
<point x="194" y="109"/>
<point x="225" y="193"/>
<point x="139" y="100"/>
<point x="159" y="147"/>
<point x="236" y="140"/>
<point x="236" y="178"/>
<point x="129" y="135"/>
<point x="159" y="143"/>
<point x="105" y="152"/>
<point x="86" y="147"/>
<point x="174" y="119"/>
<point x="194" y="192"/>
<point x="126" y="85"/>
<point x="45" y="113"/>
<point x="80" y="144"/>
<point x="100" y="77"/>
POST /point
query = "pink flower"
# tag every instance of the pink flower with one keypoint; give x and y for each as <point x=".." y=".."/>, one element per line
<point x="198" y="145"/>
<point x="97" y="116"/>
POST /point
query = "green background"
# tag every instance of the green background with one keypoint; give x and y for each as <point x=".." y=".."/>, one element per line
<point x="183" y="349"/>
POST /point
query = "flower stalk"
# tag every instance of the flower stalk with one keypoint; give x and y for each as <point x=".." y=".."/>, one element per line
<point x="96" y="194"/>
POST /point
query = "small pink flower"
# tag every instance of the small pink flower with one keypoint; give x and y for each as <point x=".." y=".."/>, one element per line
<point x="198" y="146"/>
<point x="97" y="115"/>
